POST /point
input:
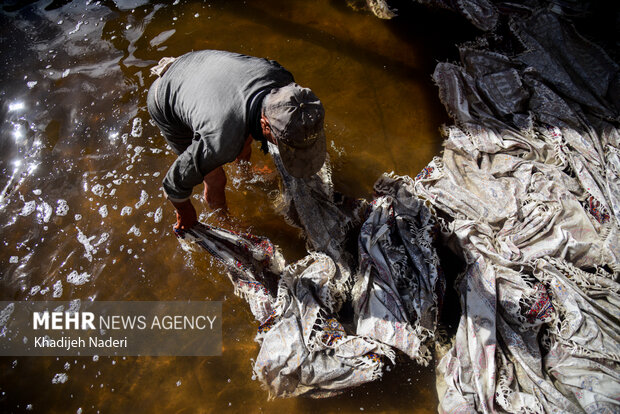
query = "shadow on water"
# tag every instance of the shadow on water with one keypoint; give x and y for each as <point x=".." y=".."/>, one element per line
<point x="81" y="166"/>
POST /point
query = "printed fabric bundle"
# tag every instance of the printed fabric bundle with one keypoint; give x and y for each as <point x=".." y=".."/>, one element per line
<point x="309" y="345"/>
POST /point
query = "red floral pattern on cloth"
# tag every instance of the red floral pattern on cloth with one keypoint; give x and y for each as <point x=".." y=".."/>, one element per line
<point x="542" y="308"/>
<point x="373" y="357"/>
<point x="597" y="210"/>
<point x="425" y="173"/>
<point x="268" y="324"/>
<point x="332" y="332"/>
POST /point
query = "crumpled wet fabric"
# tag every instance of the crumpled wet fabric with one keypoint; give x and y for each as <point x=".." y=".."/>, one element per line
<point x="396" y="293"/>
<point x="528" y="178"/>
<point x="399" y="286"/>
<point x="304" y="348"/>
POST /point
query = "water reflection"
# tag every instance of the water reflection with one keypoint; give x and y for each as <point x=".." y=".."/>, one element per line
<point x="82" y="213"/>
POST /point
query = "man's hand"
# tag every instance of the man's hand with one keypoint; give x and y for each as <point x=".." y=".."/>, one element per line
<point x="186" y="215"/>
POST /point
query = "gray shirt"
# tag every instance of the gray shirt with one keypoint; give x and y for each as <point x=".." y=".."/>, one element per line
<point x="206" y="104"/>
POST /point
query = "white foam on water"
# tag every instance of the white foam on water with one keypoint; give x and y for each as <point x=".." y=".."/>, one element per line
<point x="67" y="366"/>
<point x="36" y="192"/>
<point x="6" y="313"/>
<point x="74" y="305"/>
<point x="136" y="153"/>
<point x="136" y="128"/>
<point x="125" y="211"/>
<point x="44" y="290"/>
<point x="103" y="211"/>
<point x="338" y="150"/>
<point x="31" y="84"/>
<point x="28" y="208"/>
<point x="45" y="211"/>
<point x="98" y="190"/>
<point x="186" y="245"/>
<point x="77" y="217"/>
<point x="34" y="290"/>
<point x="63" y="208"/>
<point x="66" y="73"/>
<point x="16" y="106"/>
<point x="144" y="196"/>
<point x="60" y="378"/>
<point x="13" y="259"/>
<point x="57" y="289"/>
<point x="85" y="241"/>
<point x="104" y="237"/>
<point x="158" y="214"/>
<point x="236" y="182"/>
<point x="134" y="230"/>
<point x="78" y="279"/>
<point x="77" y="27"/>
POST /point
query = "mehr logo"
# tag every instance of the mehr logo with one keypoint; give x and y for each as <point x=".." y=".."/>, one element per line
<point x="63" y="320"/>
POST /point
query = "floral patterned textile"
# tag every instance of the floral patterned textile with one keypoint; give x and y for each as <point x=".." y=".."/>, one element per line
<point x="395" y="292"/>
<point x="529" y="180"/>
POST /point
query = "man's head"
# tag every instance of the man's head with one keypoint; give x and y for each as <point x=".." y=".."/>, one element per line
<point x="293" y="117"/>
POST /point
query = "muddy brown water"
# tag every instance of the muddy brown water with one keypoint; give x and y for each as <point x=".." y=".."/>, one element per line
<point x="82" y="166"/>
